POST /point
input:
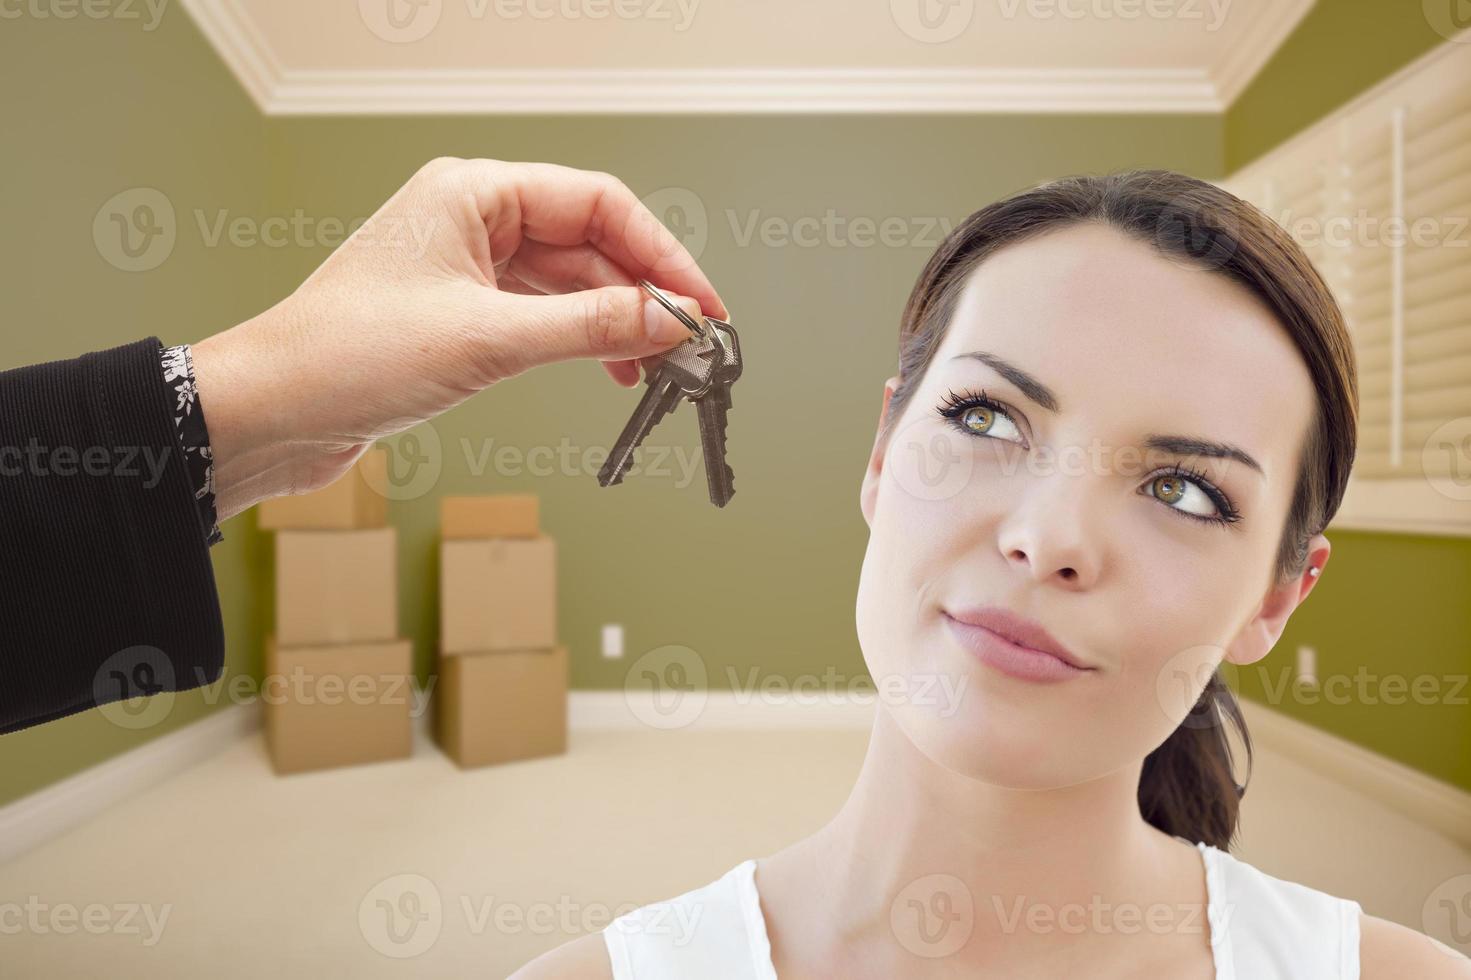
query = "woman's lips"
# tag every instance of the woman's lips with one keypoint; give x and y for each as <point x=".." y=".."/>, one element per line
<point x="1008" y="657"/>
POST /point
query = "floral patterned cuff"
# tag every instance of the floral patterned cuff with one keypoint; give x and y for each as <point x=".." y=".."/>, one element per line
<point x="178" y="376"/>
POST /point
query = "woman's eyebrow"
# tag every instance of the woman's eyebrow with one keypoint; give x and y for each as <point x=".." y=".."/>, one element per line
<point x="1029" y="385"/>
<point x="1044" y="396"/>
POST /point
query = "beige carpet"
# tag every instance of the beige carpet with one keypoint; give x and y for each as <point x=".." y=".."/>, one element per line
<point x="264" y="876"/>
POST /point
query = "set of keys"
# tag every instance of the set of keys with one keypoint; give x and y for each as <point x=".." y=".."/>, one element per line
<point x="702" y="370"/>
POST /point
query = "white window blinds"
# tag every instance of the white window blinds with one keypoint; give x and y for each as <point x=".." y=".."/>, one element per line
<point x="1379" y="196"/>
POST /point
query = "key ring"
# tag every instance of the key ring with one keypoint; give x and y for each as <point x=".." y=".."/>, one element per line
<point x="686" y="319"/>
<point x="672" y="307"/>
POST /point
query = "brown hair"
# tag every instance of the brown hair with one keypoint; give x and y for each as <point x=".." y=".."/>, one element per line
<point x="1187" y="786"/>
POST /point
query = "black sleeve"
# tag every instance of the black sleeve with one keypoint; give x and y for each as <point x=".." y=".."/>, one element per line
<point x="106" y="586"/>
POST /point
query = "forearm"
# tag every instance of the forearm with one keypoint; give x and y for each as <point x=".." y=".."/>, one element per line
<point x="246" y="385"/>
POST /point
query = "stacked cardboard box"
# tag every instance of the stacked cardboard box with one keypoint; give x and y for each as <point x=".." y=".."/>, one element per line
<point x="502" y="691"/>
<point x="338" y="688"/>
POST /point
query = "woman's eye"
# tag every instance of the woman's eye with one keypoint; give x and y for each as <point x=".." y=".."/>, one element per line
<point x="990" y="421"/>
<point x="1171" y="489"/>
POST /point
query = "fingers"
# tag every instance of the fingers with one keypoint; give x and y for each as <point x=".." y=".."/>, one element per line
<point x="565" y="269"/>
<point x="624" y="372"/>
<point x="559" y="269"/>
<point x="513" y="283"/>
<point x="557" y="205"/>
<point x="612" y="323"/>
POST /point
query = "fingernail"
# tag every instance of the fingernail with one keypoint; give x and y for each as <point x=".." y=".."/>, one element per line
<point x="664" y="327"/>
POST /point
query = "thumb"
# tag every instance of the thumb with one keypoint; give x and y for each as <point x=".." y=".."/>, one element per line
<point x="608" y="323"/>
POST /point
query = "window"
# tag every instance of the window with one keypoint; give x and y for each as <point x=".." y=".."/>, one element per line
<point x="1379" y="196"/>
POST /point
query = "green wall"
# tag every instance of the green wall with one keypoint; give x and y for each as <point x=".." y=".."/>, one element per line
<point x="653" y="553"/>
<point x="94" y="108"/>
<point x="1339" y="49"/>
<point x="109" y="106"/>
<point x="1393" y="611"/>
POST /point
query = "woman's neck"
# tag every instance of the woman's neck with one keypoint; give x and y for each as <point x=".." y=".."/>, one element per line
<point x="913" y="831"/>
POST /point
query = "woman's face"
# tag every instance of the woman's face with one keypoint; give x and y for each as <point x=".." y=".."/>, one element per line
<point x="1064" y="514"/>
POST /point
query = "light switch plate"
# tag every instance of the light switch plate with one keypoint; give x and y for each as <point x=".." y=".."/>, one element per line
<point x="1307" y="665"/>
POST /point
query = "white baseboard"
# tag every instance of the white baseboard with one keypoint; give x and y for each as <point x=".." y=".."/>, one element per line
<point x="52" y="811"/>
<point x="1430" y="802"/>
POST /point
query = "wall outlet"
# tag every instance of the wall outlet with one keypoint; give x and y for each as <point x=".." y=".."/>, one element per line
<point x="613" y="640"/>
<point x="1307" y="666"/>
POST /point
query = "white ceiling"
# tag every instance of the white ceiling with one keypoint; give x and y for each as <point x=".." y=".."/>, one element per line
<point x="300" y="57"/>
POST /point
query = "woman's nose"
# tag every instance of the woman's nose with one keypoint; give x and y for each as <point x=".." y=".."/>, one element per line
<point x="1052" y="530"/>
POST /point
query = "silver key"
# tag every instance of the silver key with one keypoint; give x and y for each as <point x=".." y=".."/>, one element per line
<point x="713" y="407"/>
<point x="702" y="369"/>
<point x="683" y="372"/>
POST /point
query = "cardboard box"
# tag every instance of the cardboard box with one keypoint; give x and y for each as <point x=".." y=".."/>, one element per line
<point x="497" y="594"/>
<point x="344" y="705"/>
<point x="354" y="501"/>
<point x="502" y="705"/>
<point x="500" y="515"/>
<point x="336" y="586"/>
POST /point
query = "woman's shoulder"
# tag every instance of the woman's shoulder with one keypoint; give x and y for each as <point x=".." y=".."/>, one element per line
<point x="1277" y="923"/>
<point x="1388" y="950"/>
<point x="700" y="932"/>
<point x="584" y="958"/>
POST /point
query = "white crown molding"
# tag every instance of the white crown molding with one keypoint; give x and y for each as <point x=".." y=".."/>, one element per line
<point x="281" y="91"/>
<point x="679" y="91"/>
<point x="1251" y="53"/>
<point x="240" y="45"/>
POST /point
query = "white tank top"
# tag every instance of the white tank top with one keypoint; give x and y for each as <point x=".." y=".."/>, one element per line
<point x="1261" y="928"/>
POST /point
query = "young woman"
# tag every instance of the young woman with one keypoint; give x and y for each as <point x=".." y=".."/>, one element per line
<point x="1124" y="413"/>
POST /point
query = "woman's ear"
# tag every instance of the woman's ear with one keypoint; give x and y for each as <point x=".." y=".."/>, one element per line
<point x="1256" y="640"/>
<point x="868" y="494"/>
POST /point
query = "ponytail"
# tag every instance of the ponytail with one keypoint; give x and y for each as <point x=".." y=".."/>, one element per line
<point x="1188" y="785"/>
